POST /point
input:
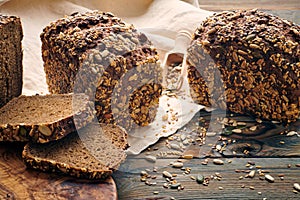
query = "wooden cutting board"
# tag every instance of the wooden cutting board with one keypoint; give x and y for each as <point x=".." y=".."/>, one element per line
<point x="18" y="182"/>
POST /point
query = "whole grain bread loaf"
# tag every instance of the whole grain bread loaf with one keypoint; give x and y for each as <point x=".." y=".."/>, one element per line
<point x="247" y="62"/>
<point x="98" y="54"/>
<point x="92" y="153"/>
<point x="44" y="118"/>
<point x="11" y="70"/>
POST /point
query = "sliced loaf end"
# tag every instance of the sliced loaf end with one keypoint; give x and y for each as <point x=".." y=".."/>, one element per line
<point x="91" y="153"/>
<point x="44" y="118"/>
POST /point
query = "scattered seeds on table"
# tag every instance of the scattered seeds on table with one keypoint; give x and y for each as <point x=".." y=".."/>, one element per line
<point x="237" y="130"/>
<point x="177" y="165"/>
<point x="166" y="185"/>
<point x="292" y="133"/>
<point x="218" y="161"/>
<point x="221" y="188"/>
<point x="187" y="156"/>
<point x="253" y="128"/>
<point x="144" y="173"/>
<point x="251" y="188"/>
<point x="200" y="179"/>
<point x="155" y="192"/>
<point x="167" y="174"/>
<point x="251" y="174"/>
<point x="269" y="178"/>
<point x="211" y="134"/>
<point x="151" y="158"/>
<point x="297" y="186"/>
<point x="175" y="185"/>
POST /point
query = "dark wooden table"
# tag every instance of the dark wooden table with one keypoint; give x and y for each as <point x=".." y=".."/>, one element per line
<point x="268" y="150"/>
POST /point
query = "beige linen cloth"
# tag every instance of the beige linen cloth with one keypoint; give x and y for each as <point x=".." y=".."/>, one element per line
<point x="160" y="20"/>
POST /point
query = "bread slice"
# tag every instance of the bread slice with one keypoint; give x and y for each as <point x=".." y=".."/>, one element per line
<point x="11" y="70"/>
<point x="91" y="153"/>
<point x="44" y="118"/>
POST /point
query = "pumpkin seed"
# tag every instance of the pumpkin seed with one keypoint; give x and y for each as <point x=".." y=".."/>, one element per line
<point x="200" y="179"/>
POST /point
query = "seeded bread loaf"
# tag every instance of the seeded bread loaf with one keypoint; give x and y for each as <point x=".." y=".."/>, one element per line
<point x="11" y="70"/>
<point x="98" y="54"/>
<point x="248" y="62"/>
<point x="92" y="153"/>
<point x="44" y="118"/>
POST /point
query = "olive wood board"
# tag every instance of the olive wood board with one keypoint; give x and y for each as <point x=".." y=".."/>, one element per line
<point x="19" y="182"/>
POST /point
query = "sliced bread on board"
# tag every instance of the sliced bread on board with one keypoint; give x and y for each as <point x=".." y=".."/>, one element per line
<point x="44" y="118"/>
<point x="93" y="152"/>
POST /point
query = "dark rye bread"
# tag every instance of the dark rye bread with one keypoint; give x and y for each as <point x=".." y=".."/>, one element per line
<point x="248" y="62"/>
<point x="98" y="54"/>
<point x="11" y="70"/>
<point x="93" y="153"/>
<point x="44" y="118"/>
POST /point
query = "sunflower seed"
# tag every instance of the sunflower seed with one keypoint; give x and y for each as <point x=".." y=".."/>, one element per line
<point x="177" y="165"/>
<point x="144" y="173"/>
<point x="269" y="178"/>
<point x="187" y="156"/>
<point x="237" y="130"/>
<point x="151" y="158"/>
<point x="297" y="186"/>
<point x="218" y="162"/>
<point x="253" y="128"/>
<point x="292" y="133"/>
<point x="167" y="174"/>
<point x="251" y="174"/>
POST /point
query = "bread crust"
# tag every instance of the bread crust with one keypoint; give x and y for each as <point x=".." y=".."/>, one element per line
<point x="92" y="53"/>
<point x="257" y="56"/>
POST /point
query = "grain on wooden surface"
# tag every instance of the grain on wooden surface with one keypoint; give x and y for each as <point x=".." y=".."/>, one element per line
<point x="130" y="187"/>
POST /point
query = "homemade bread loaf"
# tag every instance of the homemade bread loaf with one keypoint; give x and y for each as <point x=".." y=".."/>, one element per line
<point x="11" y="70"/>
<point x="98" y="54"/>
<point x="92" y="153"/>
<point x="44" y="118"/>
<point x="248" y="62"/>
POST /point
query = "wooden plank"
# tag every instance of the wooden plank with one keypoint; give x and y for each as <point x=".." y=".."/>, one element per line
<point x="17" y="182"/>
<point x="219" y="5"/>
<point x="232" y="187"/>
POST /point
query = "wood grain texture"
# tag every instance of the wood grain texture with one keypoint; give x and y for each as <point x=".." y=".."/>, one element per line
<point x="17" y="182"/>
<point x="130" y="186"/>
<point x="267" y="147"/>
